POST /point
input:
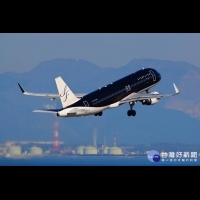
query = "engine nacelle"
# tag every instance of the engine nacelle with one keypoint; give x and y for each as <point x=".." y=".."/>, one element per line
<point x="151" y="101"/>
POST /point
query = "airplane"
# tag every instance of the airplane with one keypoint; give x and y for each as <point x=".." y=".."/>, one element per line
<point x="129" y="89"/>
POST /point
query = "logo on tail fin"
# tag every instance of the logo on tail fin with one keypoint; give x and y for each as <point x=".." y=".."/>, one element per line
<point x="67" y="97"/>
<point x="64" y="93"/>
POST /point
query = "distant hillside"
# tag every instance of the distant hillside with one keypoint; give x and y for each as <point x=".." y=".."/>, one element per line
<point x="173" y="119"/>
<point x="186" y="77"/>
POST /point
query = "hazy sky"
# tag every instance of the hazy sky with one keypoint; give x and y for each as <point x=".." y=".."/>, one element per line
<point x="21" y="52"/>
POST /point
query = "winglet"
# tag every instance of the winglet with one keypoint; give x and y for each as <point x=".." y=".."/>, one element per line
<point x="23" y="91"/>
<point x="176" y="89"/>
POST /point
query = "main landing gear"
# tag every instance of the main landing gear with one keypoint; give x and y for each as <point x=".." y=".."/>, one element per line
<point x="100" y="113"/>
<point x="131" y="112"/>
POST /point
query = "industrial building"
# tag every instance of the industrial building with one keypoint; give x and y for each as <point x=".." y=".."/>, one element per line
<point x="35" y="151"/>
<point x="105" y="150"/>
<point x="93" y="150"/>
<point x="115" y="151"/>
<point x="112" y="150"/>
<point x="86" y="150"/>
<point x="79" y="150"/>
<point x="14" y="151"/>
<point x="89" y="150"/>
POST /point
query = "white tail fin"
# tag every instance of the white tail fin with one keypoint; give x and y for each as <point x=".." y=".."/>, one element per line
<point x="67" y="97"/>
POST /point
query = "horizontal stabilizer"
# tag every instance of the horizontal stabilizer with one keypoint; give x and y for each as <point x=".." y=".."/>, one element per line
<point x="53" y="111"/>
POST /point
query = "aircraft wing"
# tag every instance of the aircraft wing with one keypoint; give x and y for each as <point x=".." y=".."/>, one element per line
<point x="144" y="96"/>
<point x="47" y="95"/>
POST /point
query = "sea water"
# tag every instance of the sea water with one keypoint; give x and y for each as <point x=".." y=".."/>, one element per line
<point x="94" y="161"/>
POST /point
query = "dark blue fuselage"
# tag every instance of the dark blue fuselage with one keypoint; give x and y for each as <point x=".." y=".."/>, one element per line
<point x="136" y="82"/>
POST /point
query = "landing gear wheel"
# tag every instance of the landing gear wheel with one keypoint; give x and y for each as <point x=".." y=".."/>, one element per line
<point x="133" y="112"/>
<point x="129" y="113"/>
<point x="98" y="114"/>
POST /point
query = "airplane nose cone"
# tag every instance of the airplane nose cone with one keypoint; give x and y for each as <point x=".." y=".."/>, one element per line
<point x="158" y="76"/>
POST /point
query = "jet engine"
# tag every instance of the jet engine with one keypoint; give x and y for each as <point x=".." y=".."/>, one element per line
<point x="151" y="101"/>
